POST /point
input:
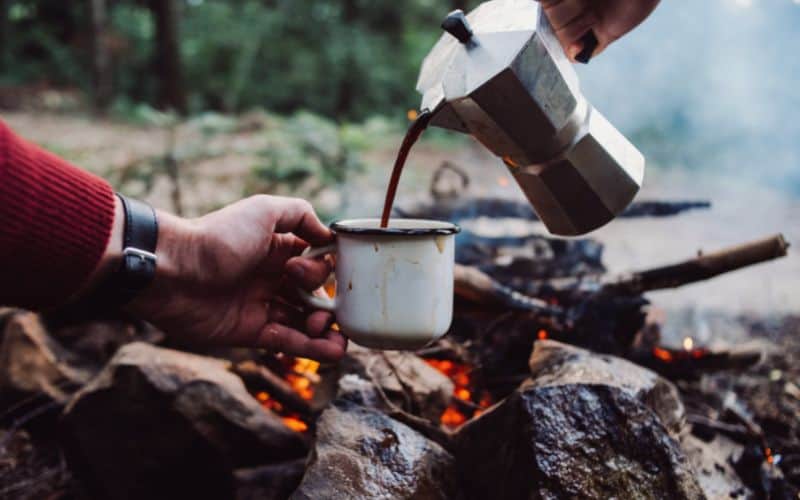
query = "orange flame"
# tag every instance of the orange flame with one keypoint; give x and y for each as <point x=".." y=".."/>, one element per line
<point x="769" y="456"/>
<point x="542" y="335"/>
<point x="412" y="115"/>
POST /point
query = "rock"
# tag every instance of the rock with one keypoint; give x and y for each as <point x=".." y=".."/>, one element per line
<point x="571" y="441"/>
<point x="362" y="453"/>
<point x="554" y="363"/>
<point x="712" y="466"/>
<point x="97" y="341"/>
<point x="359" y="391"/>
<point x="269" y="482"/>
<point x="158" y="423"/>
<point x="32" y="362"/>
<point x="407" y="379"/>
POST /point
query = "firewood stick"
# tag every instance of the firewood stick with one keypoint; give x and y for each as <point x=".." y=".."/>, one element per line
<point x="477" y="286"/>
<point x="702" y="267"/>
<point x="258" y="378"/>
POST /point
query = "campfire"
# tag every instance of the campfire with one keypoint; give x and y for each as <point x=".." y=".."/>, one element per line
<point x="548" y="356"/>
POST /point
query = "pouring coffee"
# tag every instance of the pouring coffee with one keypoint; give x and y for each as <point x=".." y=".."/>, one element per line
<point x="500" y="75"/>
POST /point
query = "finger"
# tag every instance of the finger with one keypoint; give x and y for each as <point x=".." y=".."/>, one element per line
<point x="286" y="314"/>
<point x="571" y="36"/>
<point x="560" y="13"/>
<point x="282" y="247"/>
<point x="280" y="338"/>
<point x="318" y="323"/>
<point x="571" y="20"/>
<point x="298" y="217"/>
<point x="309" y="274"/>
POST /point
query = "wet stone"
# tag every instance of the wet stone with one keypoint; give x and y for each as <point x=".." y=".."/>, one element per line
<point x="362" y="453"/>
<point x="572" y="441"/>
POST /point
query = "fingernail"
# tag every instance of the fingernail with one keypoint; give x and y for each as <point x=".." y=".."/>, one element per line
<point x="573" y="51"/>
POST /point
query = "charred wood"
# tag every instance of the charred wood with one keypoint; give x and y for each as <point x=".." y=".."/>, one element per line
<point x="702" y="267"/>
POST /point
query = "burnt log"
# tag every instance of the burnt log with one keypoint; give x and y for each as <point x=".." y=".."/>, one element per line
<point x="259" y="378"/>
<point x="458" y="209"/>
<point x="702" y="267"/>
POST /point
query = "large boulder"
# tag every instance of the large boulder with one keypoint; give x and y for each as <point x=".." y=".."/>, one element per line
<point x="362" y="453"/>
<point x="555" y="363"/>
<point x="406" y="379"/>
<point x="158" y="423"/>
<point x="575" y="431"/>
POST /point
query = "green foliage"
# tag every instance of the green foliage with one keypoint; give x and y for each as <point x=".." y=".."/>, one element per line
<point x="345" y="59"/>
<point x="307" y="152"/>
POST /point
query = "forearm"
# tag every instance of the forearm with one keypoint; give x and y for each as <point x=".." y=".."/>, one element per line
<point x="55" y="224"/>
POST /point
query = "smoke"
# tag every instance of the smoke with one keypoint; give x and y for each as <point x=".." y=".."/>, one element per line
<point x="710" y="85"/>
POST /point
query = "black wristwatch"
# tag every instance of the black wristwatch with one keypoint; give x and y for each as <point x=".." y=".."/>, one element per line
<point x="138" y="266"/>
<point x="135" y="272"/>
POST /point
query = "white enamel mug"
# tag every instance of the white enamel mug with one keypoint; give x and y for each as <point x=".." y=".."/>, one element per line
<point x="394" y="286"/>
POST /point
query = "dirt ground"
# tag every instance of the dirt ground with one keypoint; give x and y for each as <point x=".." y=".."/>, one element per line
<point x="740" y="212"/>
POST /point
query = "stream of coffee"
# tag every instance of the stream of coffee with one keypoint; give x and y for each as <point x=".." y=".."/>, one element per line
<point x="414" y="131"/>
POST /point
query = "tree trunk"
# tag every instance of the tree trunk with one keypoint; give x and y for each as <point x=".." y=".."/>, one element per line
<point x="459" y="4"/>
<point x="5" y="36"/>
<point x="167" y="56"/>
<point x="102" y="84"/>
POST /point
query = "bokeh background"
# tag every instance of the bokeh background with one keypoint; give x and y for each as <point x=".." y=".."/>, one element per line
<point x="193" y="104"/>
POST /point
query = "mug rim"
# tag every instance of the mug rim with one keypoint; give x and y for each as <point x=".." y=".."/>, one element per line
<point x="444" y="228"/>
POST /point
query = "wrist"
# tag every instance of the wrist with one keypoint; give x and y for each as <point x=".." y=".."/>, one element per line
<point x="174" y="256"/>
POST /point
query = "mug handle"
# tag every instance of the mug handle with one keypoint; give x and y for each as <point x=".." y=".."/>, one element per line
<point x="324" y="303"/>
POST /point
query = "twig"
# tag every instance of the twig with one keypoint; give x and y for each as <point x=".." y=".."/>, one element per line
<point x="476" y="286"/>
<point x="422" y="425"/>
<point x="702" y="267"/>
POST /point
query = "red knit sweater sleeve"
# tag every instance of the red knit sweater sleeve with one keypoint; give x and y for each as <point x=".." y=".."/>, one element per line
<point x="55" y="222"/>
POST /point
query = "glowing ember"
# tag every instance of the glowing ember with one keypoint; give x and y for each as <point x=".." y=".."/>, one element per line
<point x="459" y="373"/>
<point x="295" y="424"/>
<point x="269" y="403"/>
<point x="662" y="354"/>
<point x="452" y="417"/>
<point x="300" y="385"/>
<point x="688" y="343"/>
<point x="330" y="288"/>
<point x="412" y="115"/>
<point x="542" y="335"/>
<point x="302" y="379"/>
<point x="768" y="454"/>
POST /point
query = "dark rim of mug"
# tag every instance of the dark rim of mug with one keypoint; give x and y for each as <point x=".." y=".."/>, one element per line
<point x="338" y="227"/>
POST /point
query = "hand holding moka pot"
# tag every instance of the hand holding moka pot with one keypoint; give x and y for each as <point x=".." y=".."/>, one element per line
<point x="501" y="75"/>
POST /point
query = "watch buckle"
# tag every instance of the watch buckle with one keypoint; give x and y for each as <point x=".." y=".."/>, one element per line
<point x="142" y="254"/>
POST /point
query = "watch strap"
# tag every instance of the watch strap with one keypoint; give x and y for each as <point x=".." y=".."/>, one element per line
<point x="138" y="266"/>
<point x="134" y="273"/>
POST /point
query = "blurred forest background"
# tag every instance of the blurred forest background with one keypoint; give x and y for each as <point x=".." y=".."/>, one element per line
<point x="345" y="59"/>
